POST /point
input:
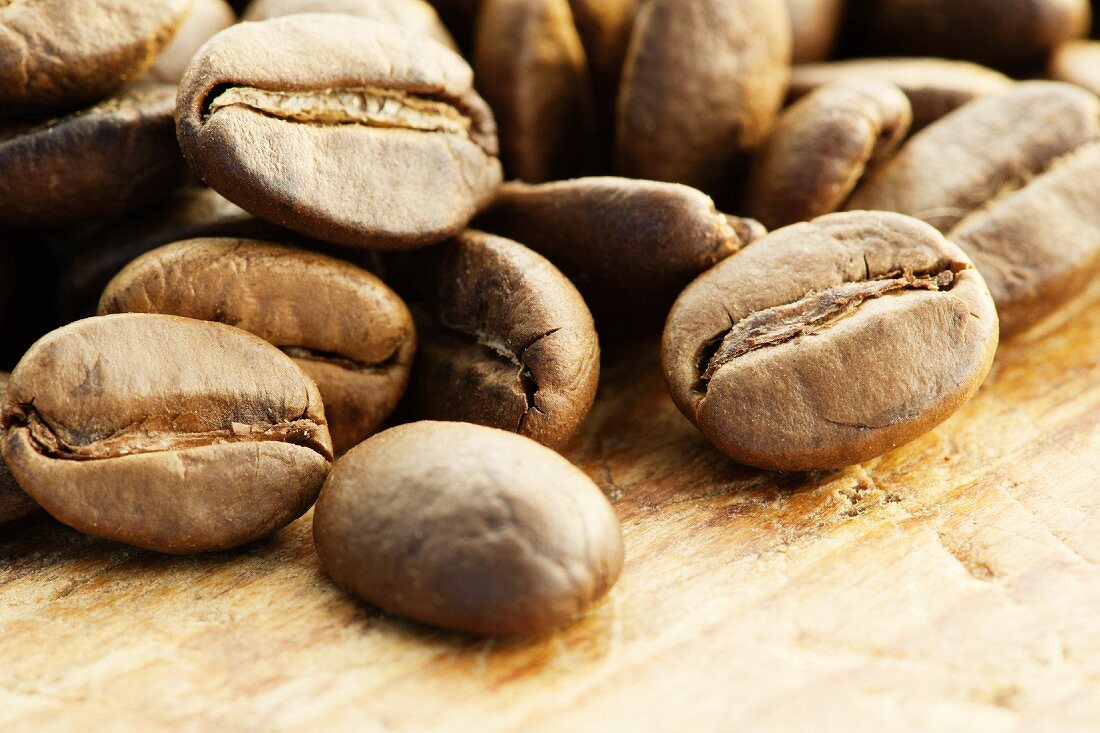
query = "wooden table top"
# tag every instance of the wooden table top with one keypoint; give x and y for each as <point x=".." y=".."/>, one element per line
<point x="953" y="584"/>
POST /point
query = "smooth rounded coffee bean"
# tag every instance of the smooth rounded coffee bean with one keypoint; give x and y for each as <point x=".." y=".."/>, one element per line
<point x="349" y="130"/>
<point x="1078" y="63"/>
<point x="629" y="246"/>
<point x="167" y="433"/>
<point x="14" y="502"/>
<point x="815" y="24"/>
<point x="966" y="171"/>
<point x="340" y="323"/>
<point x="820" y="148"/>
<point x="505" y="339"/>
<point x="203" y="21"/>
<point x="467" y="528"/>
<point x="63" y="54"/>
<point x="416" y="15"/>
<point x="935" y="87"/>
<point x="830" y="342"/>
<point x="703" y="82"/>
<point x="99" y="162"/>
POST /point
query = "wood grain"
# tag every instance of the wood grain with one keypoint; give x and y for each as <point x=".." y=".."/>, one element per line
<point x="951" y="585"/>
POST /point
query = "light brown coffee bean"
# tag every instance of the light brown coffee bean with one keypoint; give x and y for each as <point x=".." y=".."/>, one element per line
<point x="339" y="323"/>
<point x="203" y="21"/>
<point x="935" y="87"/>
<point x="1077" y="62"/>
<point x="345" y="129"/>
<point x="688" y="116"/>
<point x="830" y="342"/>
<point x="505" y="339"/>
<point x="629" y="246"/>
<point x="14" y="502"/>
<point x="92" y="164"/>
<point x="68" y="54"/>
<point x="821" y="147"/>
<point x="416" y="15"/>
<point x="166" y="433"/>
<point x="815" y="24"/>
<point x="467" y="528"/>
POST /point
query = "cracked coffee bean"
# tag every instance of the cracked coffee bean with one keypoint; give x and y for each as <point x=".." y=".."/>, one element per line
<point x="92" y="164"/>
<point x="348" y="130"/>
<point x="70" y="53"/>
<point x="831" y="342"/>
<point x="690" y="117"/>
<point x="416" y="15"/>
<point x="205" y="19"/>
<point x="1077" y="63"/>
<point x="167" y="433"/>
<point x="629" y="246"/>
<point x="815" y="24"/>
<point x="14" y="502"/>
<point x="821" y="147"/>
<point x="505" y="339"/>
<point x="495" y="535"/>
<point x="935" y="87"/>
<point x="972" y="173"/>
<point x="339" y="323"/>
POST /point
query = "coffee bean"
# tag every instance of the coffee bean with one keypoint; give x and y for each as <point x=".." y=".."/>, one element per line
<point x="935" y="87"/>
<point x="63" y="55"/>
<point x="416" y="15"/>
<point x="166" y="433"/>
<point x="629" y="246"/>
<point x="960" y="173"/>
<point x="1078" y="63"/>
<point x="505" y="339"/>
<point x="815" y="24"/>
<point x="822" y="145"/>
<point x="341" y="324"/>
<point x="467" y="528"/>
<point x="14" y="502"/>
<point x="203" y="21"/>
<point x="102" y="161"/>
<point x="345" y="129"/>
<point x="687" y="117"/>
<point x="831" y="342"/>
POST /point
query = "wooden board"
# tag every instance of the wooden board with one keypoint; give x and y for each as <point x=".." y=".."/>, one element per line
<point x="951" y="585"/>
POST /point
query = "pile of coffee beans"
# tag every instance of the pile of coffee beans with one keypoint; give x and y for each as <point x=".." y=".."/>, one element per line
<point x="363" y="253"/>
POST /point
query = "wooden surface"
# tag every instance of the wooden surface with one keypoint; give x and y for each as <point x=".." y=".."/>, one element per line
<point x="952" y="585"/>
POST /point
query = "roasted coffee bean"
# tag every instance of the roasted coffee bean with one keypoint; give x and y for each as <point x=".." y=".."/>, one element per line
<point x="815" y="24"/>
<point x="821" y="146"/>
<point x="14" y="502"/>
<point x="345" y="129"/>
<point x="341" y="324"/>
<point x="505" y="339"/>
<point x="62" y="55"/>
<point x="703" y="82"/>
<point x="416" y="15"/>
<point x="629" y="246"/>
<point x="830" y="342"/>
<point x="1078" y="63"/>
<point x="203" y="21"/>
<point x="467" y="528"/>
<point x="1005" y="34"/>
<point x="964" y="175"/>
<point x="101" y="161"/>
<point x="166" y="433"/>
<point x="935" y="87"/>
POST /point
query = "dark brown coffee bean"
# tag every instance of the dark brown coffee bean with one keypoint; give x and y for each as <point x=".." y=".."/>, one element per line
<point x="96" y="163"/>
<point x="166" y="433"/>
<point x="1078" y="63"/>
<point x="815" y="24"/>
<point x="467" y="528"/>
<point x="345" y="129"/>
<point x="505" y="339"/>
<point x="629" y="246"/>
<point x="14" y="502"/>
<point x="416" y="15"/>
<point x="703" y="82"/>
<point x="341" y="324"/>
<point x="63" y="55"/>
<point x="831" y="342"/>
<point x="821" y="147"/>
<point x="935" y="87"/>
<point x="972" y="164"/>
<point x="203" y="21"/>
